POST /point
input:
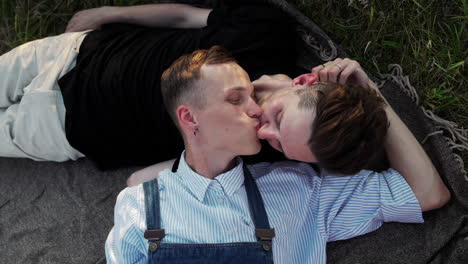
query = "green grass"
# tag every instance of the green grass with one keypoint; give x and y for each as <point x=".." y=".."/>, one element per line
<point x="428" y="38"/>
<point x="25" y="20"/>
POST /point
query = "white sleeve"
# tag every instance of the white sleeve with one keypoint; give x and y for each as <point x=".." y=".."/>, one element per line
<point x="125" y="242"/>
<point x="350" y="206"/>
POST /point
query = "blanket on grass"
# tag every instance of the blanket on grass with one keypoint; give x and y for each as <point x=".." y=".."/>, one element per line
<point x="62" y="212"/>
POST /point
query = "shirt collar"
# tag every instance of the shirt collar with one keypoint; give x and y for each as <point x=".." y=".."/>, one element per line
<point x="230" y="181"/>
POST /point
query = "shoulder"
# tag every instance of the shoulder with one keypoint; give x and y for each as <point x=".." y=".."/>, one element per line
<point x="386" y="187"/>
<point x="293" y="167"/>
<point x="364" y="177"/>
<point x="130" y="199"/>
<point x="290" y="173"/>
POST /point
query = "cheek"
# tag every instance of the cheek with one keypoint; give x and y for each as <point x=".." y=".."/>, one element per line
<point x="298" y="149"/>
<point x="225" y="121"/>
<point x="293" y="144"/>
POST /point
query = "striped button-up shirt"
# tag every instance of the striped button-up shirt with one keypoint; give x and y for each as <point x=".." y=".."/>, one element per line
<point x="307" y="210"/>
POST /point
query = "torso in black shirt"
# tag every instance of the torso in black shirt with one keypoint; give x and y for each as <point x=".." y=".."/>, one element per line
<point x="115" y="114"/>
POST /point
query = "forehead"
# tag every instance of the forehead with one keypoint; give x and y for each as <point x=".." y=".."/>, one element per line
<point x="221" y="78"/>
<point x="295" y="118"/>
<point x="296" y="127"/>
<point x="308" y="94"/>
<point x="275" y="77"/>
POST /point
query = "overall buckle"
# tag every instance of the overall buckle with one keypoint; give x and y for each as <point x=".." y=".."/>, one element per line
<point x="154" y="236"/>
<point x="265" y="237"/>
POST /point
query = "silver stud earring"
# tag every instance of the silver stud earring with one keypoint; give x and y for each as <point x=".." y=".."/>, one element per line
<point x="195" y="131"/>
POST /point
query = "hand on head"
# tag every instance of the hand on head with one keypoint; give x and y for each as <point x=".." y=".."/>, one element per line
<point x="343" y="71"/>
<point x="90" y="19"/>
<point x="307" y="120"/>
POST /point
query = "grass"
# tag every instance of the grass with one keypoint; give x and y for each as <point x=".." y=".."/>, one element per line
<point x="428" y="38"/>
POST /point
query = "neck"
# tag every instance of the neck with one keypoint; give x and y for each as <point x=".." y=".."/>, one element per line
<point x="208" y="164"/>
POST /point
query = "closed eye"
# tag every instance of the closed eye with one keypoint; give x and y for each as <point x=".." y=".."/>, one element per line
<point x="278" y="117"/>
<point x="235" y="101"/>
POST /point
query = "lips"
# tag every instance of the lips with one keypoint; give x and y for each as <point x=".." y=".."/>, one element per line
<point x="257" y="127"/>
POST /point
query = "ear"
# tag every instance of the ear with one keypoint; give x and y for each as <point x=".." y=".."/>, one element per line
<point x="305" y="79"/>
<point x="186" y="118"/>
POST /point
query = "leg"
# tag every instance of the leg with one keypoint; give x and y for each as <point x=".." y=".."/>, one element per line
<point x="34" y="126"/>
<point x="7" y="147"/>
<point x="17" y="69"/>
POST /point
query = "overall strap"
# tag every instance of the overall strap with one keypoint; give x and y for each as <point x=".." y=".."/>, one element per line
<point x="152" y="209"/>
<point x="175" y="166"/>
<point x="263" y="232"/>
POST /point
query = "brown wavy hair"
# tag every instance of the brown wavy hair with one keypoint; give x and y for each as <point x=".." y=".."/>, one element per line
<point x="349" y="128"/>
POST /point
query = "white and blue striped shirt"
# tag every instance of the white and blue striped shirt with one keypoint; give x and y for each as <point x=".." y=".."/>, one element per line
<point x="305" y="209"/>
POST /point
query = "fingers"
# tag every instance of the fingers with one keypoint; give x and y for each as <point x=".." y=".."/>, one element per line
<point x="333" y="69"/>
<point x="85" y="19"/>
<point x="329" y="71"/>
<point x="341" y="71"/>
<point x="69" y="27"/>
<point x="72" y="24"/>
<point x="354" y="74"/>
<point x="317" y="69"/>
<point x="347" y="72"/>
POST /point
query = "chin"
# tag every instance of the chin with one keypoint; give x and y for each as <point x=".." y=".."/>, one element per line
<point x="254" y="148"/>
<point x="257" y="150"/>
<point x="302" y="158"/>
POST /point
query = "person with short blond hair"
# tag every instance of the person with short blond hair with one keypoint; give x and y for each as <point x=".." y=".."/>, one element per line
<point x="95" y="93"/>
<point x="213" y="208"/>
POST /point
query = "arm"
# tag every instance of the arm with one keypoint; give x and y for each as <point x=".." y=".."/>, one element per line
<point x="407" y="156"/>
<point x="148" y="173"/>
<point x="125" y="242"/>
<point x="350" y="206"/>
<point x="266" y="85"/>
<point x="153" y="15"/>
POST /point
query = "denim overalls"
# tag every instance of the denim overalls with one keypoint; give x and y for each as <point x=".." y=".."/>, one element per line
<point x="243" y="252"/>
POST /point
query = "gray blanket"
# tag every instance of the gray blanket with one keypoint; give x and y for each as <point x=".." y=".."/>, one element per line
<point x="62" y="212"/>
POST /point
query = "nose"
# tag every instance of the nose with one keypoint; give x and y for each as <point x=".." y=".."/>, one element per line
<point x="254" y="110"/>
<point x="266" y="132"/>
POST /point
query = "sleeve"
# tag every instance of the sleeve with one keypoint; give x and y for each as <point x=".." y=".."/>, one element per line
<point x="245" y="13"/>
<point x="355" y="205"/>
<point x="125" y="242"/>
<point x="260" y="36"/>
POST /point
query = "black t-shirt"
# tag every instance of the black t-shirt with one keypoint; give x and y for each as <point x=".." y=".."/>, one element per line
<point x="114" y="109"/>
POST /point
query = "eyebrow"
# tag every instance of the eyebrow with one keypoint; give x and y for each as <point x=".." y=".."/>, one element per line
<point x="240" y="89"/>
<point x="237" y="89"/>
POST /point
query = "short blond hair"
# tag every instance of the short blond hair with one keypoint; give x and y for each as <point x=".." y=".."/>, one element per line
<point x="179" y="83"/>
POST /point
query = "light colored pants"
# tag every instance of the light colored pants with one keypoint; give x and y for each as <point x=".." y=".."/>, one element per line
<point x="32" y="112"/>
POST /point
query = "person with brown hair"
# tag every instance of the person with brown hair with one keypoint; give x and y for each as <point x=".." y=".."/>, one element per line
<point x="348" y="128"/>
<point x="339" y="127"/>
<point x="213" y="208"/>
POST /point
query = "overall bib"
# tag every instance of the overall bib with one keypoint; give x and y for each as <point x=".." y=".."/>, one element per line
<point x="259" y="252"/>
